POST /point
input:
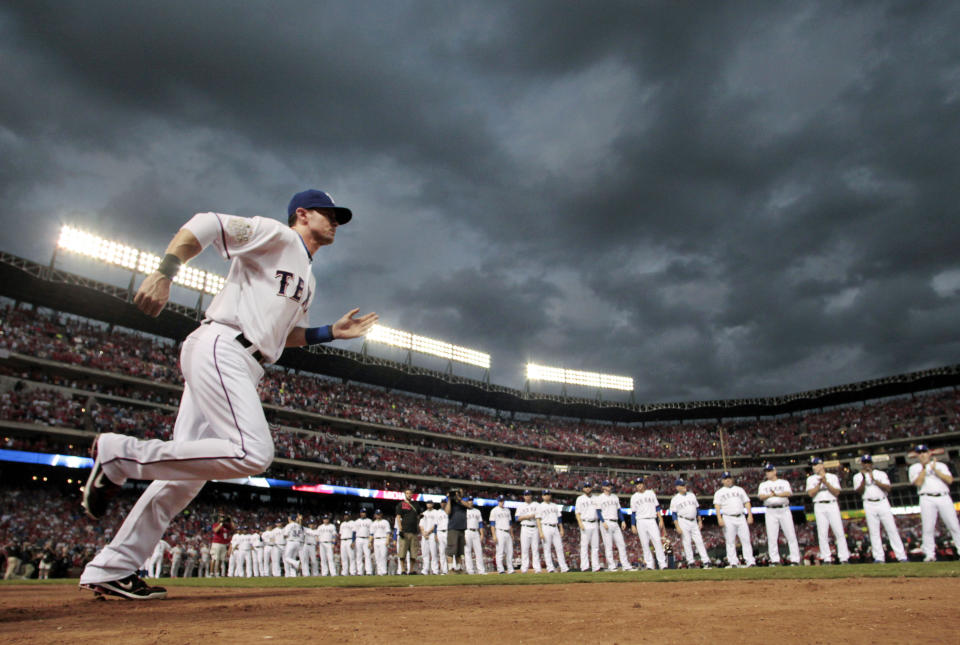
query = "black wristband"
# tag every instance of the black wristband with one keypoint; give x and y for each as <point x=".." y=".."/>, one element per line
<point x="169" y="265"/>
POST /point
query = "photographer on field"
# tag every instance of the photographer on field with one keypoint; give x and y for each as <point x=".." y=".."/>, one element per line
<point x="456" y="527"/>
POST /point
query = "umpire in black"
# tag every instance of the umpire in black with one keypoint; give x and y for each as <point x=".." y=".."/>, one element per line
<point x="456" y="525"/>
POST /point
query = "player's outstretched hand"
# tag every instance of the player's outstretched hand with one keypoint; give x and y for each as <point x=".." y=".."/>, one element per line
<point x="353" y="326"/>
<point x="153" y="294"/>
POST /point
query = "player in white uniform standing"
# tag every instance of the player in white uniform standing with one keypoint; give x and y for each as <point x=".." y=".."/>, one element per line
<point x="648" y="523"/>
<point x="824" y="488"/>
<point x="279" y="549"/>
<point x="529" y="536"/>
<point x="308" y="552"/>
<point x="932" y="479"/>
<point x="735" y="517"/>
<point x="176" y="557"/>
<point x="873" y="486"/>
<point x="501" y="530"/>
<point x="221" y="431"/>
<point x="775" y="494"/>
<point x="611" y="528"/>
<point x="361" y="526"/>
<point x="443" y="522"/>
<point x="348" y="560"/>
<point x="686" y="514"/>
<point x="293" y="534"/>
<point x="473" y="539"/>
<point x="245" y="547"/>
<point x="585" y="510"/>
<point x="327" y="536"/>
<point x="204" y="571"/>
<point x="380" y="532"/>
<point x="155" y="562"/>
<point x="428" y="541"/>
<point x="550" y="529"/>
<point x="257" y="558"/>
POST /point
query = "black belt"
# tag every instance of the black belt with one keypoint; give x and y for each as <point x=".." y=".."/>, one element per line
<point x="257" y="356"/>
<point x="326" y="543"/>
<point x="879" y="499"/>
<point x="733" y="514"/>
<point x="590" y="521"/>
<point x="932" y="494"/>
<point x="380" y="538"/>
<point x="529" y="526"/>
<point x="826" y="501"/>
<point x="473" y="529"/>
<point x="548" y="524"/>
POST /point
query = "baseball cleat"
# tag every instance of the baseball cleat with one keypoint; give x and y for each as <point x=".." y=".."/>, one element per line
<point x="99" y="489"/>
<point x="130" y="588"/>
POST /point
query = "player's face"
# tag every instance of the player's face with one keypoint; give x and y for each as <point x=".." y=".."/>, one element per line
<point x="727" y="482"/>
<point x="682" y="490"/>
<point x="924" y="457"/>
<point x="771" y="474"/>
<point x="322" y="225"/>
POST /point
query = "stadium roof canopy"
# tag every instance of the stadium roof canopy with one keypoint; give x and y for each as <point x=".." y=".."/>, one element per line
<point x="43" y="286"/>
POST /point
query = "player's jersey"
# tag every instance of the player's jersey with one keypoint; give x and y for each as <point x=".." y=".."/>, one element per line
<point x="644" y="505"/>
<point x="346" y="530"/>
<point x="871" y="491"/>
<point x="528" y="509"/>
<point x="586" y="508"/>
<point x="204" y="553"/>
<point x="362" y="527"/>
<point x="474" y="518"/>
<point x="256" y="541"/>
<point x="279" y="537"/>
<point x="327" y="533"/>
<point x="442" y="519"/>
<point x="161" y="548"/>
<point x="823" y="494"/>
<point x="549" y="514"/>
<point x="685" y="505"/>
<point x="778" y="485"/>
<point x="244" y="543"/>
<point x="500" y="518"/>
<point x="428" y="527"/>
<point x="609" y="505"/>
<point x="270" y="283"/>
<point x="731" y="500"/>
<point x="932" y="485"/>
<point x="309" y="536"/>
<point x="380" y="529"/>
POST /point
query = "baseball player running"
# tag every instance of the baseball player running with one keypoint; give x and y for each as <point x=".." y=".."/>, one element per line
<point x="932" y="479"/>
<point x="501" y="531"/>
<point x="529" y="536"/>
<point x="611" y="527"/>
<point x="686" y="515"/>
<point x="732" y="504"/>
<point x="874" y="486"/>
<point x="648" y="523"/>
<point x="221" y="431"/>
<point x="473" y="539"/>
<point x="550" y="529"/>
<point x="775" y="494"/>
<point x="585" y="510"/>
<point x="824" y="488"/>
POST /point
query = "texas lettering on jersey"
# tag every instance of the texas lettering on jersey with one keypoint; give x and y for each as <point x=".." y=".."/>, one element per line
<point x="285" y="279"/>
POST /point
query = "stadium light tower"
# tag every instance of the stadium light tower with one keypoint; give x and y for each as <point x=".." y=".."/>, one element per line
<point x="432" y="347"/>
<point x="566" y="377"/>
<point x="136" y="261"/>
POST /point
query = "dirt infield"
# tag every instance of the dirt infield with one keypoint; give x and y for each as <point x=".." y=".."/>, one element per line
<point x="854" y="610"/>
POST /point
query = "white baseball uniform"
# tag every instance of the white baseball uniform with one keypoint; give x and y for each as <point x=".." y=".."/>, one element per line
<point x="155" y="562"/>
<point x="443" y="521"/>
<point x="586" y="512"/>
<point x="279" y="550"/>
<point x="221" y="431"/>
<point x="827" y="511"/>
<point x="190" y="565"/>
<point x="609" y="505"/>
<point x="245" y="558"/>
<point x="876" y="508"/>
<point x="233" y="558"/>
<point x="934" y="501"/>
<point x="646" y="508"/>
<point x="776" y="517"/>
<point x="293" y="534"/>
<point x="428" y="542"/>
<point x="204" y="561"/>
<point x="257" y="558"/>
<point x="362" y="546"/>
<point x="176" y="557"/>
<point x="472" y="546"/>
<point x="500" y="519"/>
<point x="686" y="509"/>
<point x="731" y="504"/>
<point x="380" y="531"/>
<point x="348" y="561"/>
<point x="327" y="535"/>
<point x="529" y="538"/>
<point x="308" y="552"/>
<point x="549" y="515"/>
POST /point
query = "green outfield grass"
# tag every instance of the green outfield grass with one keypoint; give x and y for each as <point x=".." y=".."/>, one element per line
<point x="907" y="570"/>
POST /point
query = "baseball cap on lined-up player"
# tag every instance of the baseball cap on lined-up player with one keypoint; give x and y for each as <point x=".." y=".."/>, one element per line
<point x="316" y="199"/>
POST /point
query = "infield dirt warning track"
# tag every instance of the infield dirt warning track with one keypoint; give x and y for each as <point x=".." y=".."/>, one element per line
<point x="835" y="611"/>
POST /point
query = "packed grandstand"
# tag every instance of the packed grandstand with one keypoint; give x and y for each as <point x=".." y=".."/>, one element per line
<point x="65" y="377"/>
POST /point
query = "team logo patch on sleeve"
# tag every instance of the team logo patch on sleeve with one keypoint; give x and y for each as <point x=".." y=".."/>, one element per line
<point x="240" y="230"/>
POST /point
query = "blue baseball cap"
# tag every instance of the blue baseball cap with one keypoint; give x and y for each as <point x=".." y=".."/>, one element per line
<point x="527" y="492"/>
<point x="606" y="482"/>
<point x="769" y="466"/>
<point x="310" y="199"/>
<point x="586" y="485"/>
<point x="546" y="492"/>
<point x="815" y="460"/>
<point x="501" y="498"/>
<point x="866" y="459"/>
<point x="679" y="482"/>
<point x="467" y="499"/>
<point x="726" y="475"/>
<point x="922" y="447"/>
<point x="638" y="480"/>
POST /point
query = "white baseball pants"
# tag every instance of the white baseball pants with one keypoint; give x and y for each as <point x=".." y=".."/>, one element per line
<point x="257" y="561"/>
<point x="175" y="566"/>
<point x="473" y="551"/>
<point x="308" y="559"/>
<point x="220" y="433"/>
<point x="529" y="548"/>
<point x="327" y="566"/>
<point x="504" y="555"/>
<point x="930" y="507"/>
<point x="380" y="555"/>
<point x="612" y="535"/>
<point x="276" y="556"/>
<point x="348" y="563"/>
<point x="649" y="533"/>
<point x="291" y="558"/>
<point x="552" y="540"/>
<point x="364" y="557"/>
<point x="878" y="513"/>
<point x="777" y="518"/>
<point x="691" y="535"/>
<point x="589" y="547"/>
<point x="428" y="553"/>
<point x="735" y="526"/>
<point x="442" y="551"/>
<point x="828" y="519"/>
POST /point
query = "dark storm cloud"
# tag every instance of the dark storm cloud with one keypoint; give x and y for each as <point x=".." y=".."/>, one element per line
<point x="719" y="199"/>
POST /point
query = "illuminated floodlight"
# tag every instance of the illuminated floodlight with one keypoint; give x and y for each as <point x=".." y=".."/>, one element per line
<point x="573" y="377"/>
<point x="424" y="345"/>
<point x="110" y="252"/>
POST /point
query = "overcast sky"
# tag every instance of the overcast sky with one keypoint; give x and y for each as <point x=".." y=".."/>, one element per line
<point x="719" y="199"/>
